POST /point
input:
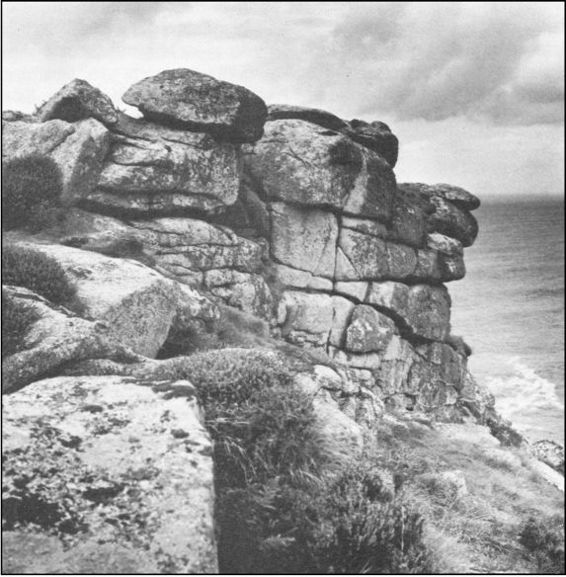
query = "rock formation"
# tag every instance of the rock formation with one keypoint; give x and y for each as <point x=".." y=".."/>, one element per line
<point x="291" y="214"/>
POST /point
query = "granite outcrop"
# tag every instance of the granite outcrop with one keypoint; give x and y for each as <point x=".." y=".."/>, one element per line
<point x="211" y="199"/>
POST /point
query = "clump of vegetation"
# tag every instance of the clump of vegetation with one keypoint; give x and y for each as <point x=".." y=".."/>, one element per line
<point x="544" y="540"/>
<point x="33" y="269"/>
<point x="281" y="507"/>
<point x="31" y="191"/>
<point x="17" y="319"/>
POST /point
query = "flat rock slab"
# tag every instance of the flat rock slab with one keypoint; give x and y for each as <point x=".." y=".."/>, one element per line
<point x="199" y="102"/>
<point x="99" y="463"/>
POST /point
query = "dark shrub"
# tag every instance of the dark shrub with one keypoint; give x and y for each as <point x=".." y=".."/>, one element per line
<point x="31" y="188"/>
<point x="17" y="319"/>
<point x="544" y="540"/>
<point x="23" y="266"/>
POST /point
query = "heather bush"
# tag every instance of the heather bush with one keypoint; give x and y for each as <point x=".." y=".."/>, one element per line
<point x="24" y="266"/>
<point x="31" y="189"/>
<point x="17" y="319"/>
<point x="544" y="540"/>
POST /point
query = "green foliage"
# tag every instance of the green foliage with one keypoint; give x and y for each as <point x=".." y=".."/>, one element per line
<point x="544" y="540"/>
<point x="31" y="188"/>
<point x="23" y="266"/>
<point x="17" y="319"/>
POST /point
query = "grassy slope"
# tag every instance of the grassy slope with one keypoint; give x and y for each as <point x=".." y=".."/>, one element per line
<point x="476" y="532"/>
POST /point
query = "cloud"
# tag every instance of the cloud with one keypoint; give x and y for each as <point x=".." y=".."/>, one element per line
<point x="494" y="61"/>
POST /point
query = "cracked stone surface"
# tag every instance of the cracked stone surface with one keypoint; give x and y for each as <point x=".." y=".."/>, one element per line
<point x="134" y="484"/>
<point x="158" y="169"/>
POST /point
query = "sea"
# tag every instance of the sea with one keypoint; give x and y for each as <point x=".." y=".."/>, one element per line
<point x="510" y="309"/>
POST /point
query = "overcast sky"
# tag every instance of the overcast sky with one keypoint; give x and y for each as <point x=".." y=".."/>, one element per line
<point x="473" y="90"/>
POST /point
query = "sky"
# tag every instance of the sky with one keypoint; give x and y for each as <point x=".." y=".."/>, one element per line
<point x="473" y="90"/>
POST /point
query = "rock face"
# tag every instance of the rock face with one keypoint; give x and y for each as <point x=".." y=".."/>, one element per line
<point x="304" y="226"/>
<point x="154" y="169"/>
<point x="134" y="486"/>
<point x="199" y="102"/>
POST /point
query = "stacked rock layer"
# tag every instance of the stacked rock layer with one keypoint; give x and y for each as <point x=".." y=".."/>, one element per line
<point x="291" y="214"/>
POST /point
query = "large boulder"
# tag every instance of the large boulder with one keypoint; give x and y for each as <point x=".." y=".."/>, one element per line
<point x="78" y="100"/>
<point x="198" y="102"/>
<point x="78" y="150"/>
<point x="301" y="163"/>
<point x="154" y="169"/>
<point x="138" y="304"/>
<point x="133" y="490"/>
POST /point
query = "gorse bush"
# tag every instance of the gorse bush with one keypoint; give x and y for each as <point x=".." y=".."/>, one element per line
<point x="544" y="540"/>
<point x="17" y="319"/>
<point x="31" y="187"/>
<point x="23" y="266"/>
